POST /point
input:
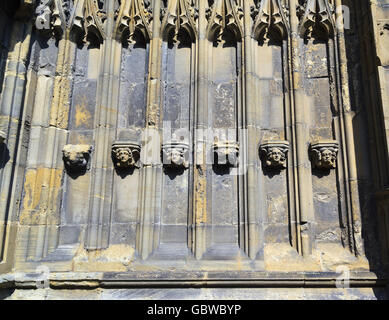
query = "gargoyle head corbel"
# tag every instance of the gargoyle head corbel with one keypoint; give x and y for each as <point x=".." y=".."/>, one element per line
<point x="226" y="153"/>
<point x="126" y="154"/>
<point x="323" y="154"/>
<point x="76" y="156"/>
<point x="274" y="153"/>
<point x="175" y="155"/>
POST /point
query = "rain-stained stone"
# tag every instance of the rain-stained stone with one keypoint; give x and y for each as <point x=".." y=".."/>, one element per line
<point x="186" y="145"/>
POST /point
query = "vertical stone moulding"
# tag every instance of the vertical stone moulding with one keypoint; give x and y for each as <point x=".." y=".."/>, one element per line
<point x="271" y="32"/>
<point x="100" y="17"/>
<point x="3" y="137"/>
<point x="199" y="211"/>
<point x="226" y="221"/>
<point x="348" y="152"/>
<point x="149" y="180"/>
<point x="133" y="32"/>
<point x="15" y="29"/>
<point x="177" y="102"/>
<point x="313" y="22"/>
<point x="14" y="44"/>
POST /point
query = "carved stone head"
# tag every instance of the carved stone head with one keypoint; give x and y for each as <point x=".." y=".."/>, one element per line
<point x="126" y="154"/>
<point x="3" y="136"/>
<point x="324" y="153"/>
<point x="226" y="153"/>
<point x="76" y="156"/>
<point x="274" y="153"/>
<point x="175" y="155"/>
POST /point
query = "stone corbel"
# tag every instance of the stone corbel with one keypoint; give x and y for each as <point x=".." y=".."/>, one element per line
<point x="274" y="153"/>
<point x="126" y="154"/>
<point x="226" y="153"/>
<point x="175" y="155"/>
<point x="76" y="157"/>
<point x="323" y="154"/>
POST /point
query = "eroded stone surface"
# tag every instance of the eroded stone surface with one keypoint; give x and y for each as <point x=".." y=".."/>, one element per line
<point x="204" y="142"/>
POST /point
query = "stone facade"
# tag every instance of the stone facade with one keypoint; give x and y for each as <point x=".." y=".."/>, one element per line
<point x="174" y="144"/>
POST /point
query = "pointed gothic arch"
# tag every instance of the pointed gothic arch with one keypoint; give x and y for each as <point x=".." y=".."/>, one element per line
<point x="316" y="19"/>
<point x="270" y="21"/>
<point x="224" y="15"/>
<point x="86" y="22"/>
<point x="177" y="15"/>
<point x="134" y="16"/>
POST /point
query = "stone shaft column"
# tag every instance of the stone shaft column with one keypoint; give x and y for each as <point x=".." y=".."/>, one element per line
<point x="13" y="126"/>
<point x="347" y="134"/>
<point x="200" y="168"/>
<point x="106" y="117"/>
<point x="305" y="197"/>
<point x="150" y="183"/>
<point x="250" y="152"/>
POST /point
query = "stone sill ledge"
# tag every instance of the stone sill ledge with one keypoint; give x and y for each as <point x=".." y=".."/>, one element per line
<point x="190" y="280"/>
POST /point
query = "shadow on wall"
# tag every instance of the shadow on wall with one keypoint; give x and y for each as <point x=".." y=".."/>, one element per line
<point x="9" y="7"/>
<point x="5" y="293"/>
<point x="4" y="155"/>
<point x="366" y="153"/>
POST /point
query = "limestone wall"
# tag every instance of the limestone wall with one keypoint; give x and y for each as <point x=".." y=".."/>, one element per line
<point x="194" y="141"/>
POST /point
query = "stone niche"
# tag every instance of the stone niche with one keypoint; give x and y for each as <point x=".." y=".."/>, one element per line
<point x="323" y="154"/>
<point x="126" y="154"/>
<point x="273" y="153"/>
<point x="226" y="153"/>
<point x="76" y="157"/>
<point x="175" y="155"/>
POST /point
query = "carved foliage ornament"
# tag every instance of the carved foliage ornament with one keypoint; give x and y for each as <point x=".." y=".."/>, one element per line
<point x="179" y="14"/>
<point x="84" y="17"/>
<point x="51" y="16"/>
<point x="175" y="155"/>
<point x="76" y="156"/>
<point x="324" y="153"/>
<point x="274" y="153"/>
<point x="226" y="153"/>
<point x="152" y="115"/>
<point x="134" y="15"/>
<point x="269" y="16"/>
<point x="126" y="154"/>
<point x="316" y="18"/>
<point x="224" y="14"/>
<point x="87" y="20"/>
